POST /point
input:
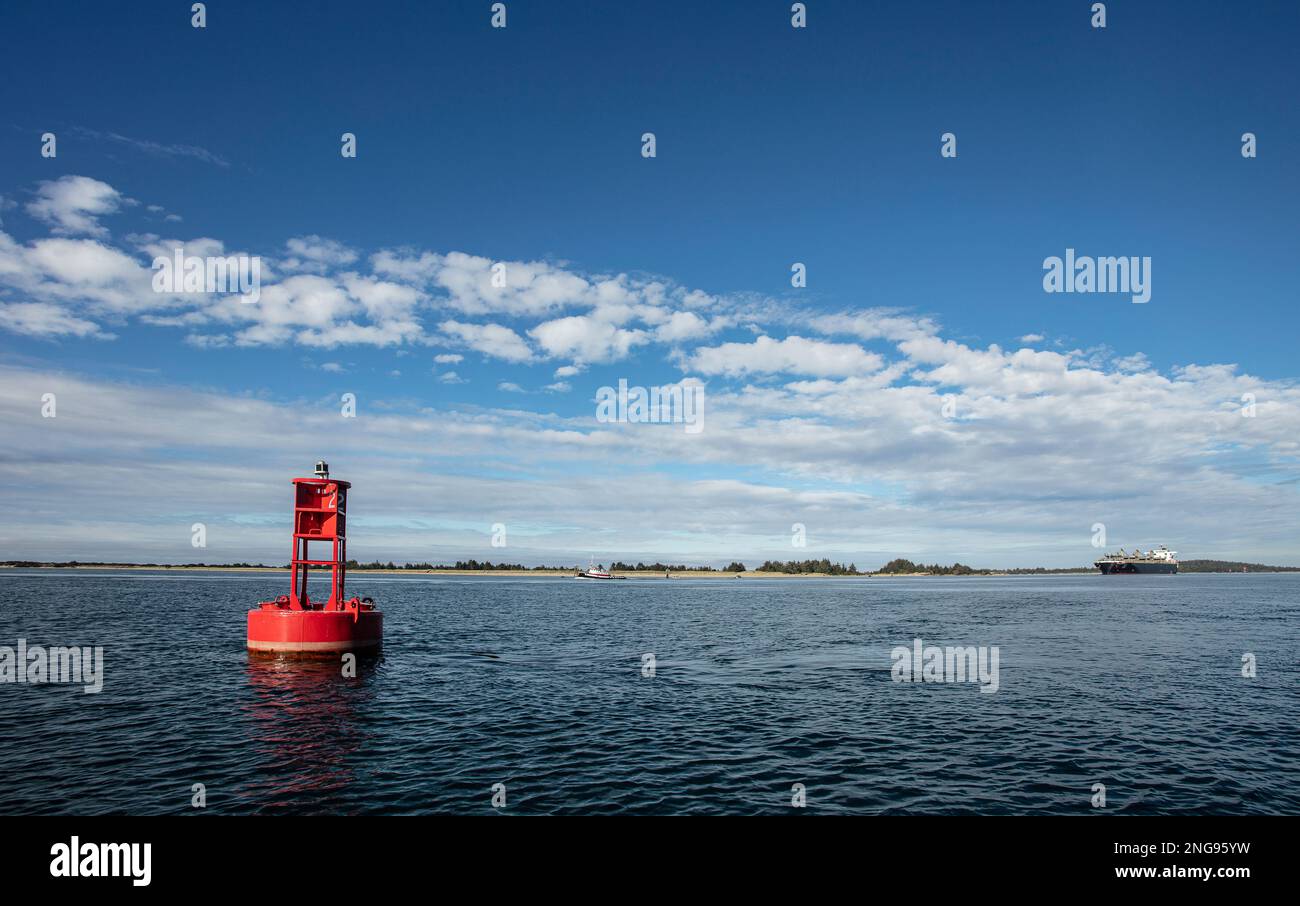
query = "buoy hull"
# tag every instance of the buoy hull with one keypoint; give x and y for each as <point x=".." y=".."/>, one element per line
<point x="313" y="631"/>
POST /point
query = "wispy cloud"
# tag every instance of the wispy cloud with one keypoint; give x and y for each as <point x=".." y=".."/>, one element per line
<point x="1041" y="451"/>
<point x="156" y="149"/>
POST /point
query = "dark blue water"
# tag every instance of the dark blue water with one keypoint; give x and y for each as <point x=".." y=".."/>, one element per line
<point x="536" y="683"/>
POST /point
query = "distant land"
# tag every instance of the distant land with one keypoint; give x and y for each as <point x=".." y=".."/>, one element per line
<point x="770" y="568"/>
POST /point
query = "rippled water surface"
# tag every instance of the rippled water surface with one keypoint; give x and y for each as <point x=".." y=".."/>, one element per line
<point x="1134" y="682"/>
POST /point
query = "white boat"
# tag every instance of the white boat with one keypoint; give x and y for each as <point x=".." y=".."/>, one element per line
<point x="591" y="572"/>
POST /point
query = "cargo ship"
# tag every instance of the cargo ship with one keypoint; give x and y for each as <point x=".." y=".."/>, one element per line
<point x="1161" y="560"/>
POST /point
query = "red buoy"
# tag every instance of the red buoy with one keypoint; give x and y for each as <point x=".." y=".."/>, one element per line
<point x="294" y="623"/>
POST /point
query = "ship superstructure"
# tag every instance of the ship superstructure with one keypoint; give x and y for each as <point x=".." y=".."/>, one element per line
<point x="1160" y="560"/>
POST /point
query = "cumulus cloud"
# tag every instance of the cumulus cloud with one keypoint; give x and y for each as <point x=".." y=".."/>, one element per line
<point x="874" y="323"/>
<point x="474" y="285"/>
<point x="793" y="355"/>
<point x="77" y="272"/>
<point x="871" y="424"/>
<point x="1136" y="362"/>
<point x="586" y="339"/>
<point x="40" y="319"/>
<point x="302" y="301"/>
<point x="382" y="300"/>
<point x="492" y="340"/>
<point x="72" y="205"/>
<point x="315" y="254"/>
<point x="685" y="325"/>
<point x="318" y="293"/>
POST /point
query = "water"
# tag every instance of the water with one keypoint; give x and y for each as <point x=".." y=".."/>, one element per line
<point x="1134" y="682"/>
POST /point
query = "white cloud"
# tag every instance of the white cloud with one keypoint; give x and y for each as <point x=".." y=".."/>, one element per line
<point x="1135" y="362"/>
<point x="345" y="333"/>
<point x="685" y="325"/>
<point x="793" y="355"/>
<point x="1083" y="431"/>
<point x="316" y="311"/>
<point x="158" y="149"/>
<point x="41" y="319"/>
<point x="876" y="467"/>
<point x="315" y="254"/>
<point x="383" y="301"/>
<point x="300" y="301"/>
<point x="875" y="323"/>
<point x="77" y="272"/>
<point x="71" y="205"/>
<point x="313" y="296"/>
<point x="586" y="339"/>
<point x="404" y="265"/>
<point x="475" y="285"/>
<point x="490" y="339"/>
<point x="82" y="262"/>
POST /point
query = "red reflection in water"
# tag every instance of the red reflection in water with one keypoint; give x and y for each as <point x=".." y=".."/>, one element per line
<point x="307" y="731"/>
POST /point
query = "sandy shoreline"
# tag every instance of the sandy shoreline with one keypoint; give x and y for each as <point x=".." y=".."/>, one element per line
<point x="632" y="574"/>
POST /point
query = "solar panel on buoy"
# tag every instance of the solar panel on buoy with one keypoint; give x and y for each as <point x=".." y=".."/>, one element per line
<point x="294" y="623"/>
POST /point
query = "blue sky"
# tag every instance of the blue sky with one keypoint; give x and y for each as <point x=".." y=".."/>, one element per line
<point x="774" y="145"/>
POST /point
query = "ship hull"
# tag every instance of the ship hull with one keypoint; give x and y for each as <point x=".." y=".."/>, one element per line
<point x="1132" y="568"/>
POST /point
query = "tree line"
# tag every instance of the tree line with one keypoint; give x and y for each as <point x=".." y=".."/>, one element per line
<point x="897" y="566"/>
<point x="795" y="567"/>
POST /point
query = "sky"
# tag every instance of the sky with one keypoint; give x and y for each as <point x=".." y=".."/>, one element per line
<point x="500" y="248"/>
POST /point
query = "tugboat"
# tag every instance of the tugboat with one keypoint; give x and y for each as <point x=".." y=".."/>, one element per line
<point x="1161" y="560"/>
<point x="594" y="572"/>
